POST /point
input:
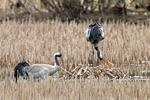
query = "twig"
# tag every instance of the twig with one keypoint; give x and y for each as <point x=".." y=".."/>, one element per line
<point x="66" y="71"/>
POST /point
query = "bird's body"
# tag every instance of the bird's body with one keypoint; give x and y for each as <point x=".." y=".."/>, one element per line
<point x="94" y="34"/>
<point x="38" y="70"/>
<point x="41" y="70"/>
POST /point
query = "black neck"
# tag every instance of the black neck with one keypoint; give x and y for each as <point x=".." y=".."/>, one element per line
<point x="56" y="60"/>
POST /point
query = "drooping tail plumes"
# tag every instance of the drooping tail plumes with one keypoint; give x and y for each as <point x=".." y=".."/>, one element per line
<point x="16" y="74"/>
<point x="19" y="69"/>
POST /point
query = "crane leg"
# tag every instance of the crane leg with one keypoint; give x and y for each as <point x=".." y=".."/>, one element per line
<point x="99" y="53"/>
<point x="92" y="56"/>
<point x="92" y="52"/>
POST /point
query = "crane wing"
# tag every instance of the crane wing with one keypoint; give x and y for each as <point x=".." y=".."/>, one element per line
<point x="38" y="70"/>
<point x="88" y="34"/>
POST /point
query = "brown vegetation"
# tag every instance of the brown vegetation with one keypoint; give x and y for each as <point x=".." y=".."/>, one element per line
<point x="125" y="45"/>
<point x="37" y="42"/>
<point x="74" y="90"/>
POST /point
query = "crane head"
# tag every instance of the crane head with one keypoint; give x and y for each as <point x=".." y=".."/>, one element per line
<point x="57" y="54"/>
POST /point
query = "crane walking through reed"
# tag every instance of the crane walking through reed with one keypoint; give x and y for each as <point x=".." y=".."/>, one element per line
<point x="94" y="34"/>
<point x="36" y="70"/>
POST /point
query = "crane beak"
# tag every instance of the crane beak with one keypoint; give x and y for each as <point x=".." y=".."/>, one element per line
<point x="60" y="55"/>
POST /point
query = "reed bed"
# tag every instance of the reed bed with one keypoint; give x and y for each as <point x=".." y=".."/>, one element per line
<point x="51" y="89"/>
<point x="36" y="42"/>
<point x="125" y="45"/>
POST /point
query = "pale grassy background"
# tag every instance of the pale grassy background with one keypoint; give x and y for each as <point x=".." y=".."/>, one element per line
<point x="125" y="45"/>
<point x="74" y="90"/>
<point x="37" y="42"/>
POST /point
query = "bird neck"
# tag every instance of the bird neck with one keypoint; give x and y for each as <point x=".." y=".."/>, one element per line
<point x="57" y="63"/>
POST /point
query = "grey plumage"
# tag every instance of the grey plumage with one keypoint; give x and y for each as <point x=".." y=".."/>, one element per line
<point x="94" y="34"/>
<point x="40" y="70"/>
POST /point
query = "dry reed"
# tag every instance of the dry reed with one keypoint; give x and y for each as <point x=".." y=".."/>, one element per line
<point x="51" y="89"/>
<point x="126" y="45"/>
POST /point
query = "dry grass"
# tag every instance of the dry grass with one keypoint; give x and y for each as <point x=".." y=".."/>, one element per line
<point x="37" y="42"/>
<point x="125" y="45"/>
<point x="74" y="90"/>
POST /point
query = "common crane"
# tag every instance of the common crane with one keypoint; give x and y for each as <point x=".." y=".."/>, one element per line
<point x="37" y="70"/>
<point x="94" y="34"/>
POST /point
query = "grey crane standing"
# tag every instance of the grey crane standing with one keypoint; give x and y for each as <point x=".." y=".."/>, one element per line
<point x="36" y="70"/>
<point x="94" y="34"/>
